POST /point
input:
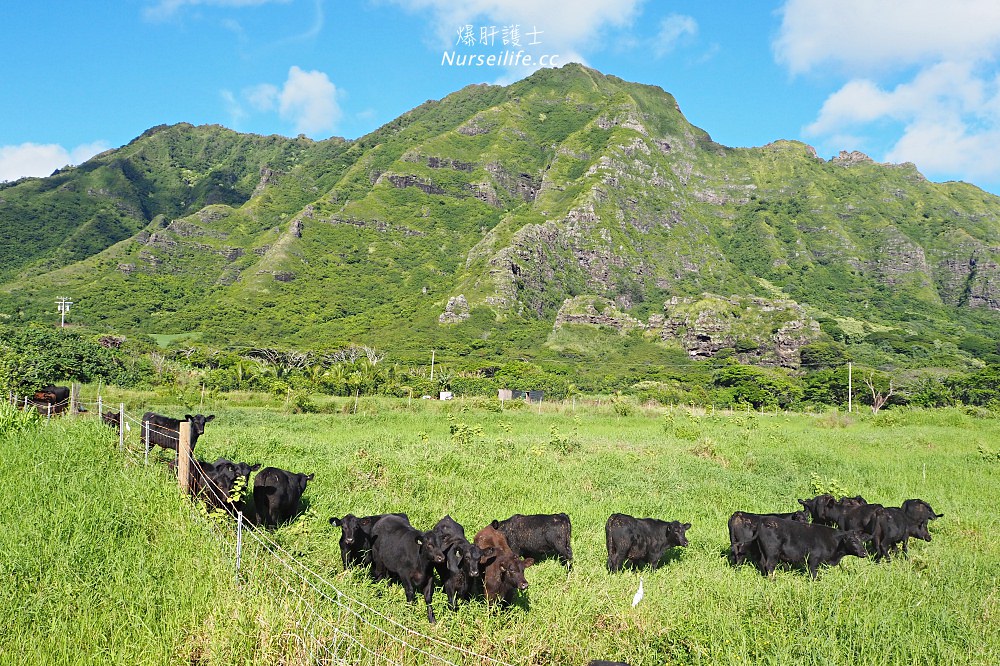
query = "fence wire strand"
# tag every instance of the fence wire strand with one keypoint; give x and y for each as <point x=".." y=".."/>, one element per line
<point x="323" y="640"/>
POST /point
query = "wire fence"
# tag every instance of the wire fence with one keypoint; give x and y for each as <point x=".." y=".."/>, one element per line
<point x="328" y="626"/>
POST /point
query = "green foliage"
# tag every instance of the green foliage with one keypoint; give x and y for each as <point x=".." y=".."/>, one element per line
<point x="827" y="486"/>
<point x="14" y="420"/>
<point x="32" y="356"/>
<point x="128" y="549"/>
<point x="757" y="387"/>
<point x="520" y="199"/>
<point x="464" y="434"/>
<point x="824" y="355"/>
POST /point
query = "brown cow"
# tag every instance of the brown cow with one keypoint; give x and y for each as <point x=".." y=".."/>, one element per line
<point x="503" y="575"/>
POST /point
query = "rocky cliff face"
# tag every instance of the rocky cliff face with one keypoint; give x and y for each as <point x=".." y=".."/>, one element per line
<point x="759" y="331"/>
<point x="571" y="197"/>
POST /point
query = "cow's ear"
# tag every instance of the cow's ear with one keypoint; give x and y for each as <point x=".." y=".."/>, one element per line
<point x="419" y="539"/>
<point x="309" y="477"/>
<point x="488" y="555"/>
<point x="458" y="553"/>
<point x="336" y="521"/>
<point x="365" y="521"/>
<point x="686" y="526"/>
<point x="255" y="467"/>
<point x="803" y="503"/>
<point x="188" y="417"/>
<point x="528" y="561"/>
<point x="209" y="418"/>
<point x="495" y="524"/>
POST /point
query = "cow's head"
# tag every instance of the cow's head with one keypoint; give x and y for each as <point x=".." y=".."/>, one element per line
<point x="198" y="422"/>
<point x="430" y="546"/>
<point x="674" y="531"/>
<point x="299" y="481"/>
<point x="801" y="516"/>
<point x="472" y="555"/>
<point x="512" y="568"/>
<point x="350" y="526"/>
<point x="854" y="543"/>
<point x="817" y="506"/>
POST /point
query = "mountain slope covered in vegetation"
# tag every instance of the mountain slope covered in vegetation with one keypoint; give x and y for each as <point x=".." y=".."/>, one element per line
<point x="504" y="222"/>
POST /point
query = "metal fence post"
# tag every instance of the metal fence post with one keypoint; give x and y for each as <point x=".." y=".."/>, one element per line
<point x="239" y="543"/>
<point x="121" y="426"/>
<point x="145" y="438"/>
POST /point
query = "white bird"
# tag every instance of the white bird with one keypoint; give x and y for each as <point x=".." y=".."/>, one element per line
<point x="638" y="595"/>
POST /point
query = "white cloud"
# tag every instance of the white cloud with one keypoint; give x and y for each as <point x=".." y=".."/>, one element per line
<point x="262" y="97"/>
<point x="672" y="29"/>
<point x="307" y="99"/>
<point x="34" y="159"/>
<point x="565" y="28"/>
<point x="875" y="35"/>
<point x="920" y="78"/>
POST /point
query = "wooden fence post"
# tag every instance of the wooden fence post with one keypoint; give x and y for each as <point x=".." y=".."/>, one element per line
<point x="74" y="398"/>
<point x="184" y="456"/>
<point x="145" y="439"/>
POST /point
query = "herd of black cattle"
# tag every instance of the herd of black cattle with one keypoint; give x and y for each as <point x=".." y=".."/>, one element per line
<point x="492" y="565"/>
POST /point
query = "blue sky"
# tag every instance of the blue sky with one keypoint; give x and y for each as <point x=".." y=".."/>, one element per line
<point x="901" y="80"/>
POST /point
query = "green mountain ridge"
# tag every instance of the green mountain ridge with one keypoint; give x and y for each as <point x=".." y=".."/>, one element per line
<point x="498" y="220"/>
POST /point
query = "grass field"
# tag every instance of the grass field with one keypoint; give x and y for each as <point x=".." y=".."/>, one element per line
<point x="103" y="562"/>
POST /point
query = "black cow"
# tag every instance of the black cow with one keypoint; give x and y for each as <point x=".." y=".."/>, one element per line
<point x="461" y="567"/>
<point x="50" y="399"/>
<point x="112" y="419"/>
<point x="858" y="518"/>
<point x="789" y="541"/>
<point x="539" y="536"/>
<point x="503" y="575"/>
<point x="407" y="555"/>
<point x="165" y="431"/>
<point x="216" y="482"/>
<point x="641" y="541"/>
<point x="825" y="509"/>
<point x="743" y="532"/>
<point x="276" y="495"/>
<point x="356" y="538"/>
<point x="895" y="526"/>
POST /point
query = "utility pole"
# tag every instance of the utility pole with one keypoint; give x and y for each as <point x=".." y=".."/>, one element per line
<point x="849" y="385"/>
<point x="62" y="304"/>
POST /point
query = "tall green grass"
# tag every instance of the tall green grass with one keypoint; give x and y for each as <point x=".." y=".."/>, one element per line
<point x="84" y="521"/>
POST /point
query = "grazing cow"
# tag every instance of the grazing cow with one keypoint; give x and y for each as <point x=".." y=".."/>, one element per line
<point x="50" y="399"/>
<point x="112" y="419"/>
<point x="641" y="541"/>
<point x="789" y="541"/>
<point x="165" y="431"/>
<point x="824" y="509"/>
<point x="276" y="495"/>
<point x="743" y="532"/>
<point x="461" y="567"/>
<point x="356" y="537"/>
<point x="857" y="518"/>
<point x="408" y="556"/>
<point x="895" y="525"/>
<point x="503" y="576"/>
<point x="539" y="536"/>
<point x="216" y="482"/>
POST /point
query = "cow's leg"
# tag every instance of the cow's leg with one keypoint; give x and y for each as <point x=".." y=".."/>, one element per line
<point x="428" y="595"/>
